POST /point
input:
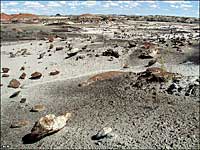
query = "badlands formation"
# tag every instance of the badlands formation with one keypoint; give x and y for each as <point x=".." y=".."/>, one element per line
<point x="113" y="84"/>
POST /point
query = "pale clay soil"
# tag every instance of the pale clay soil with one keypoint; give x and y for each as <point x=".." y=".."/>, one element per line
<point x="138" y="119"/>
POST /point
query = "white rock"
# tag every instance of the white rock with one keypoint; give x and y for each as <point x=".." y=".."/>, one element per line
<point x="49" y="124"/>
<point x="102" y="133"/>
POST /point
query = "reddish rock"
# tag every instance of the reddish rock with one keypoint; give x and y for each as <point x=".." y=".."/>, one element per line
<point x="5" y="70"/>
<point x="14" y="83"/>
<point x="59" y="48"/>
<point x="23" y="76"/>
<point x="5" y="75"/>
<point x="54" y="73"/>
<point x="36" y="75"/>
<point x="51" y="38"/>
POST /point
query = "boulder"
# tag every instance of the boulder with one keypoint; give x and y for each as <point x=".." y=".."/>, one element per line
<point x="36" y="75"/>
<point x="5" y="70"/>
<point x="5" y="75"/>
<point x="54" y="73"/>
<point x="14" y="83"/>
<point x="48" y="124"/>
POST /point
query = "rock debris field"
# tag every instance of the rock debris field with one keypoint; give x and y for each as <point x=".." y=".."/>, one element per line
<point x="132" y="85"/>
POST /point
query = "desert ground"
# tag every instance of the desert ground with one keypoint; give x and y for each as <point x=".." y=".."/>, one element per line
<point x="139" y="78"/>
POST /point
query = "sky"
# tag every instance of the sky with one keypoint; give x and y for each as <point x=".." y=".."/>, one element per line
<point x="157" y="7"/>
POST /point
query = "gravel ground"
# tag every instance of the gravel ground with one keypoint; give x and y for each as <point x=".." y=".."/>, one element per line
<point x="138" y="120"/>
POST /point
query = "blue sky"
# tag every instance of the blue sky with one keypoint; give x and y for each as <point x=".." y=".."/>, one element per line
<point x="175" y="8"/>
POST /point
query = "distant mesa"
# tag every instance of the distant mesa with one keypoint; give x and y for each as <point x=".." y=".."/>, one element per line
<point x="89" y="18"/>
<point x="19" y="18"/>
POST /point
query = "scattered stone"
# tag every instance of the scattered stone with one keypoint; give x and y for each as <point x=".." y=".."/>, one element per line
<point x="59" y="48"/>
<point x="12" y="55"/>
<point x="19" y="124"/>
<point x="48" y="125"/>
<point x="51" y="46"/>
<point x="23" y="76"/>
<point x="23" y="100"/>
<point x="151" y="62"/>
<point x="84" y="47"/>
<point x="125" y="65"/>
<point x="97" y="55"/>
<point x="5" y="70"/>
<point x="38" y="108"/>
<point x="80" y="57"/>
<point x="131" y="44"/>
<point x="50" y="54"/>
<point x="24" y="51"/>
<point x="40" y="44"/>
<point x="72" y="53"/>
<point x="41" y="55"/>
<point x="1" y="84"/>
<point x="172" y="88"/>
<point x="22" y="68"/>
<point x="102" y="133"/>
<point x="14" y="94"/>
<point x="51" y="39"/>
<point x="110" y="52"/>
<point x="110" y="59"/>
<point x="54" y="73"/>
<point x="5" y="75"/>
<point x="14" y="83"/>
<point x="36" y="75"/>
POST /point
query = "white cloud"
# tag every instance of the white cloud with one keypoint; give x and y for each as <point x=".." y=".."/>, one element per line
<point x="53" y="4"/>
<point x="176" y="2"/>
<point x="174" y="6"/>
<point x="154" y="6"/>
<point x="63" y="2"/>
<point x="73" y="3"/>
<point x="106" y="5"/>
<point x="12" y="3"/>
<point x="185" y="6"/>
<point x="89" y="3"/>
<point x="33" y="4"/>
<point x="147" y="1"/>
<point x="134" y="4"/>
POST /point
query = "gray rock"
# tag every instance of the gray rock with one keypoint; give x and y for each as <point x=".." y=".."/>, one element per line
<point x="105" y="132"/>
<point x="14" y="94"/>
